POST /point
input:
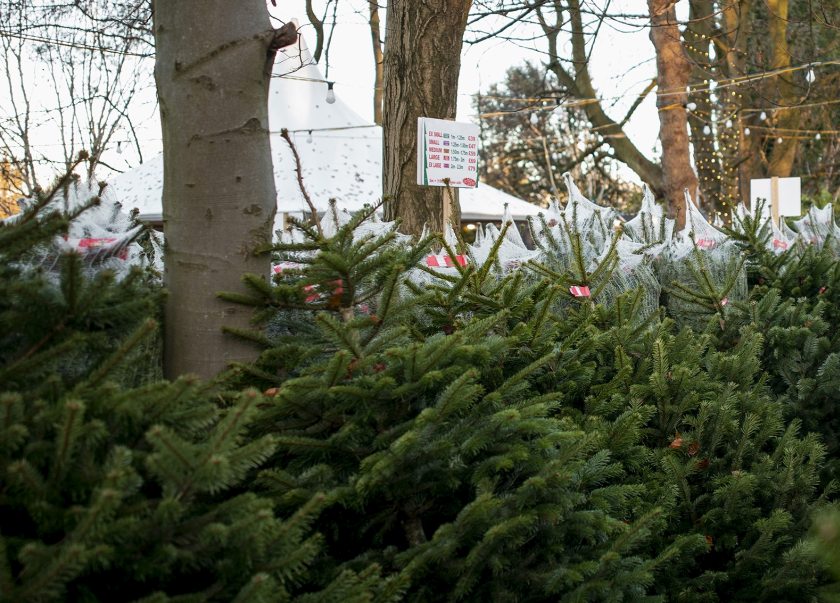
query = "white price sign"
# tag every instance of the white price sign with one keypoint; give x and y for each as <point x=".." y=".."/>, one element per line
<point x="447" y="150"/>
<point x="785" y="197"/>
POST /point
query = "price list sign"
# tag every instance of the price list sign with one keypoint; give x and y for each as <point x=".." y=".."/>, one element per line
<point x="447" y="150"/>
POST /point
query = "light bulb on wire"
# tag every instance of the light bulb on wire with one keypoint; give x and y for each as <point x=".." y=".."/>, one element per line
<point x="119" y="148"/>
<point x="309" y="137"/>
<point x="534" y="119"/>
<point x="810" y="76"/>
<point x="692" y="106"/>
<point x="707" y="130"/>
<point x="330" y="92"/>
<point x="746" y="131"/>
<point x="763" y="116"/>
<point x="728" y="123"/>
<point x="779" y="140"/>
<point x="817" y="137"/>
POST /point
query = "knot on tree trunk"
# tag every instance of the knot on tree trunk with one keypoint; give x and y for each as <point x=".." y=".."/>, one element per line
<point x="285" y="36"/>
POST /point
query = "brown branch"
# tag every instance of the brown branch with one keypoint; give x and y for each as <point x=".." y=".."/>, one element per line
<point x="284" y="133"/>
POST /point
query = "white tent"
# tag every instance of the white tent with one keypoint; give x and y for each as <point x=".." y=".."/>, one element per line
<point x="340" y="153"/>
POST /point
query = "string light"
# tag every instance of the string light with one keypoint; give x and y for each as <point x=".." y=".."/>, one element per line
<point x="119" y="148"/>
<point x="330" y="92"/>
<point x="763" y="116"/>
<point x="779" y="140"/>
<point x="707" y="130"/>
<point x="746" y="131"/>
<point x="817" y="137"/>
<point x="692" y="106"/>
<point x="309" y="137"/>
<point x="728" y="123"/>
<point x="810" y="76"/>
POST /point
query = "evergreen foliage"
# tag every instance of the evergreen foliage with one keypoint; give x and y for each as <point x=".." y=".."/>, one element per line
<point x="111" y="492"/>
<point x="489" y="436"/>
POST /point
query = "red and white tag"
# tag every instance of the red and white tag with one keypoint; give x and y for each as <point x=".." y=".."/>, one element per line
<point x="579" y="291"/>
<point x="89" y="244"/>
<point x="445" y="261"/>
<point x="705" y="243"/>
<point x="777" y="244"/>
<point x="724" y="301"/>
<point x="281" y="266"/>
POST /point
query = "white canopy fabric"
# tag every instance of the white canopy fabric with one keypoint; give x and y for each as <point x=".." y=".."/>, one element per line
<point x="340" y="153"/>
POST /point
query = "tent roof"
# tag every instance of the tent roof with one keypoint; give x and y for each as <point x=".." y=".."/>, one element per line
<point x="340" y="153"/>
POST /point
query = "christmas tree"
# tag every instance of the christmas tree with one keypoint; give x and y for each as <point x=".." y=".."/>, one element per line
<point x="110" y="492"/>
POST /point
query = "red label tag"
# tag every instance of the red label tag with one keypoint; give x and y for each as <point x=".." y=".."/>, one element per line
<point x="445" y="261"/>
<point x="724" y="301"/>
<point x="91" y="244"/>
<point x="280" y="267"/>
<point x="777" y="244"/>
<point x="705" y="243"/>
<point x="579" y="291"/>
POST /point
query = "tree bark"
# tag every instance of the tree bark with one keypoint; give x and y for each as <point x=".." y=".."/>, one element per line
<point x="697" y="38"/>
<point x="783" y="154"/>
<point x="213" y="60"/>
<point x="422" y="63"/>
<point x="740" y="151"/>
<point x="673" y="72"/>
<point x="379" y="65"/>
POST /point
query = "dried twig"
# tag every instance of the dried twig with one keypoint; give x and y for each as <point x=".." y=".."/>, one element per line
<point x="285" y="134"/>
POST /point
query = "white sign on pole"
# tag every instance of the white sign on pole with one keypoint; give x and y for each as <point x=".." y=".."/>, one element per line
<point x="447" y="150"/>
<point x="789" y="195"/>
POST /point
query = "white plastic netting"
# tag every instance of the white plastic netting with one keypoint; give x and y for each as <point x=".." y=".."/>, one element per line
<point x="705" y="271"/>
<point x="104" y="235"/>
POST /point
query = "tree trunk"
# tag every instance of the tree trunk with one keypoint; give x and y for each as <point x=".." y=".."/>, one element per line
<point x="422" y="64"/>
<point x="697" y="38"/>
<point x="213" y="60"/>
<point x="376" y="41"/>
<point x="783" y="154"/>
<point x="737" y="21"/>
<point x="673" y="72"/>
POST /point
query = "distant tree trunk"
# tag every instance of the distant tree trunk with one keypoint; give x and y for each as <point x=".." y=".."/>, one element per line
<point x="376" y="41"/>
<point x="783" y="154"/>
<point x="422" y="63"/>
<point x="698" y="39"/>
<point x="213" y="60"/>
<point x="736" y="23"/>
<point x="673" y="72"/>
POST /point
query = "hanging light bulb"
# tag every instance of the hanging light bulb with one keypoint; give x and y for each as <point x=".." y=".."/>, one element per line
<point x="534" y="119"/>
<point x="309" y="137"/>
<point x="817" y="137"/>
<point x="810" y="76"/>
<point x="763" y="116"/>
<point x="119" y="148"/>
<point x="707" y="130"/>
<point x="779" y="140"/>
<point x="746" y="131"/>
<point x="728" y="123"/>
<point x="692" y="106"/>
<point x="330" y="92"/>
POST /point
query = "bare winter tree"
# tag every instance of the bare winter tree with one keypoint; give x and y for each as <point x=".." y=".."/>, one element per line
<point x="72" y="73"/>
<point x="212" y="69"/>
